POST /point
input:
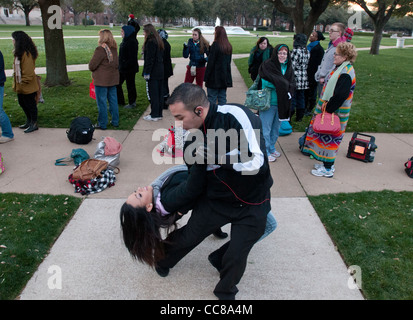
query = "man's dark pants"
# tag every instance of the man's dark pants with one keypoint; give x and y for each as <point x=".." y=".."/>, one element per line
<point x="247" y="226"/>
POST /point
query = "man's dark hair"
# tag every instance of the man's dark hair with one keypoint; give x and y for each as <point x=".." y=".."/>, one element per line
<point x="190" y="95"/>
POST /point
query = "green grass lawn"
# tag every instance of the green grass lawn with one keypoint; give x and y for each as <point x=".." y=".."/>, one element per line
<point x="63" y="104"/>
<point x="373" y="230"/>
<point x="29" y="225"/>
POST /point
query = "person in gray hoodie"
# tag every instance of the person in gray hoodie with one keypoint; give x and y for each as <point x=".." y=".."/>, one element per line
<point x="336" y="34"/>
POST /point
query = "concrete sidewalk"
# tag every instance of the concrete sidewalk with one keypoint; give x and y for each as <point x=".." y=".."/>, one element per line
<point x="297" y="261"/>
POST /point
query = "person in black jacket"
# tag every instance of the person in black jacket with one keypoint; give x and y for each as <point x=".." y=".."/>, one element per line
<point x="167" y="64"/>
<point x="238" y="182"/>
<point x="134" y="23"/>
<point x="218" y="71"/>
<point x="128" y="66"/>
<point x="153" y="71"/>
<point x="316" y="55"/>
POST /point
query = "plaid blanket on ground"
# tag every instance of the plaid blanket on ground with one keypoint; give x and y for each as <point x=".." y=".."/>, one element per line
<point x="106" y="180"/>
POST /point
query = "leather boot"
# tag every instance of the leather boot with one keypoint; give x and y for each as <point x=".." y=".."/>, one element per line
<point x="26" y="125"/>
<point x="31" y="128"/>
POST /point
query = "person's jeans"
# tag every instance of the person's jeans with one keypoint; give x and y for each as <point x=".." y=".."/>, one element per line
<point x="270" y="128"/>
<point x="104" y="95"/>
<point x="217" y="94"/>
<point x="270" y="226"/>
<point x="4" y="119"/>
<point x="298" y="101"/>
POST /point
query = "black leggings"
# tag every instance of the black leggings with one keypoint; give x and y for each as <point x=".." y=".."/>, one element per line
<point x="29" y="105"/>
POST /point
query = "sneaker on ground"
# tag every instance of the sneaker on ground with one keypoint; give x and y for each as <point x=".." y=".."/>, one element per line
<point x="319" y="165"/>
<point x="276" y="154"/>
<point x="4" y="139"/>
<point x="149" y="118"/>
<point x="322" y="172"/>
<point x="271" y="158"/>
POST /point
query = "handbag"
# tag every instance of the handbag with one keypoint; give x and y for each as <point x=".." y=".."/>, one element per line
<point x="92" y="92"/>
<point x="109" y="150"/>
<point x="326" y="123"/>
<point x="258" y="99"/>
<point x="89" y="169"/>
<point x="408" y="167"/>
<point x="77" y="155"/>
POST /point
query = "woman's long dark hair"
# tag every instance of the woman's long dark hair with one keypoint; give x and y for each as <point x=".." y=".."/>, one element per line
<point x="23" y="43"/>
<point x="141" y="232"/>
<point x="221" y="39"/>
<point x="151" y="33"/>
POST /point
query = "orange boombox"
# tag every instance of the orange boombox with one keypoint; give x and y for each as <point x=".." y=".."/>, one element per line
<point x="362" y="149"/>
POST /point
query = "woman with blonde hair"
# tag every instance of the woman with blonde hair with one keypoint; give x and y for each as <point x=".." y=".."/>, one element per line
<point x="104" y="66"/>
<point x="336" y="96"/>
<point x="153" y="71"/>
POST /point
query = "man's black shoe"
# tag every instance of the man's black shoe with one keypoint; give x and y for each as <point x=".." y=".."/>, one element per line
<point x="220" y="234"/>
<point x="163" y="272"/>
<point x="215" y="263"/>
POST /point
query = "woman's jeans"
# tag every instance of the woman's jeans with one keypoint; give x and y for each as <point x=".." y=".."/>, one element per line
<point x="270" y="128"/>
<point x="104" y="94"/>
<point x="270" y="226"/>
<point x="217" y="94"/>
<point x="4" y="119"/>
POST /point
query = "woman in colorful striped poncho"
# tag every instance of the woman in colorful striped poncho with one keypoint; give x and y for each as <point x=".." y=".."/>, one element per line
<point x="338" y="92"/>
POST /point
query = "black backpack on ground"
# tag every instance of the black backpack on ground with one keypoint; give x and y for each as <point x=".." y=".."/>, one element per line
<point x="81" y="130"/>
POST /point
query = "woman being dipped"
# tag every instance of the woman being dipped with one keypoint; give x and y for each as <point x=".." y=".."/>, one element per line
<point x="157" y="206"/>
<point x="337" y="93"/>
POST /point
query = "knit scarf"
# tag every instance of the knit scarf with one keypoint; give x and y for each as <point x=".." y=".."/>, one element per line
<point x="271" y="71"/>
<point x="331" y="84"/>
<point x="17" y="70"/>
<point x="108" y="52"/>
<point x="312" y="45"/>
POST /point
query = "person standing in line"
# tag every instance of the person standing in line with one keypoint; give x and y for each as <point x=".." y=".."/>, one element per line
<point x="218" y="71"/>
<point x="197" y="49"/>
<point x="167" y="63"/>
<point x="24" y="78"/>
<point x="276" y="74"/>
<point x="5" y="125"/>
<point x="153" y="71"/>
<point x="134" y="23"/>
<point x="316" y="55"/>
<point x="105" y="73"/>
<point x="128" y="67"/>
<point x="299" y="58"/>
<point x="336" y="34"/>
<point x="261" y="52"/>
<point x="337" y="94"/>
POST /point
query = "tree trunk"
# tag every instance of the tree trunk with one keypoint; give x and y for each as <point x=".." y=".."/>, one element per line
<point x="26" y="16"/>
<point x="56" y="72"/>
<point x="378" y="35"/>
